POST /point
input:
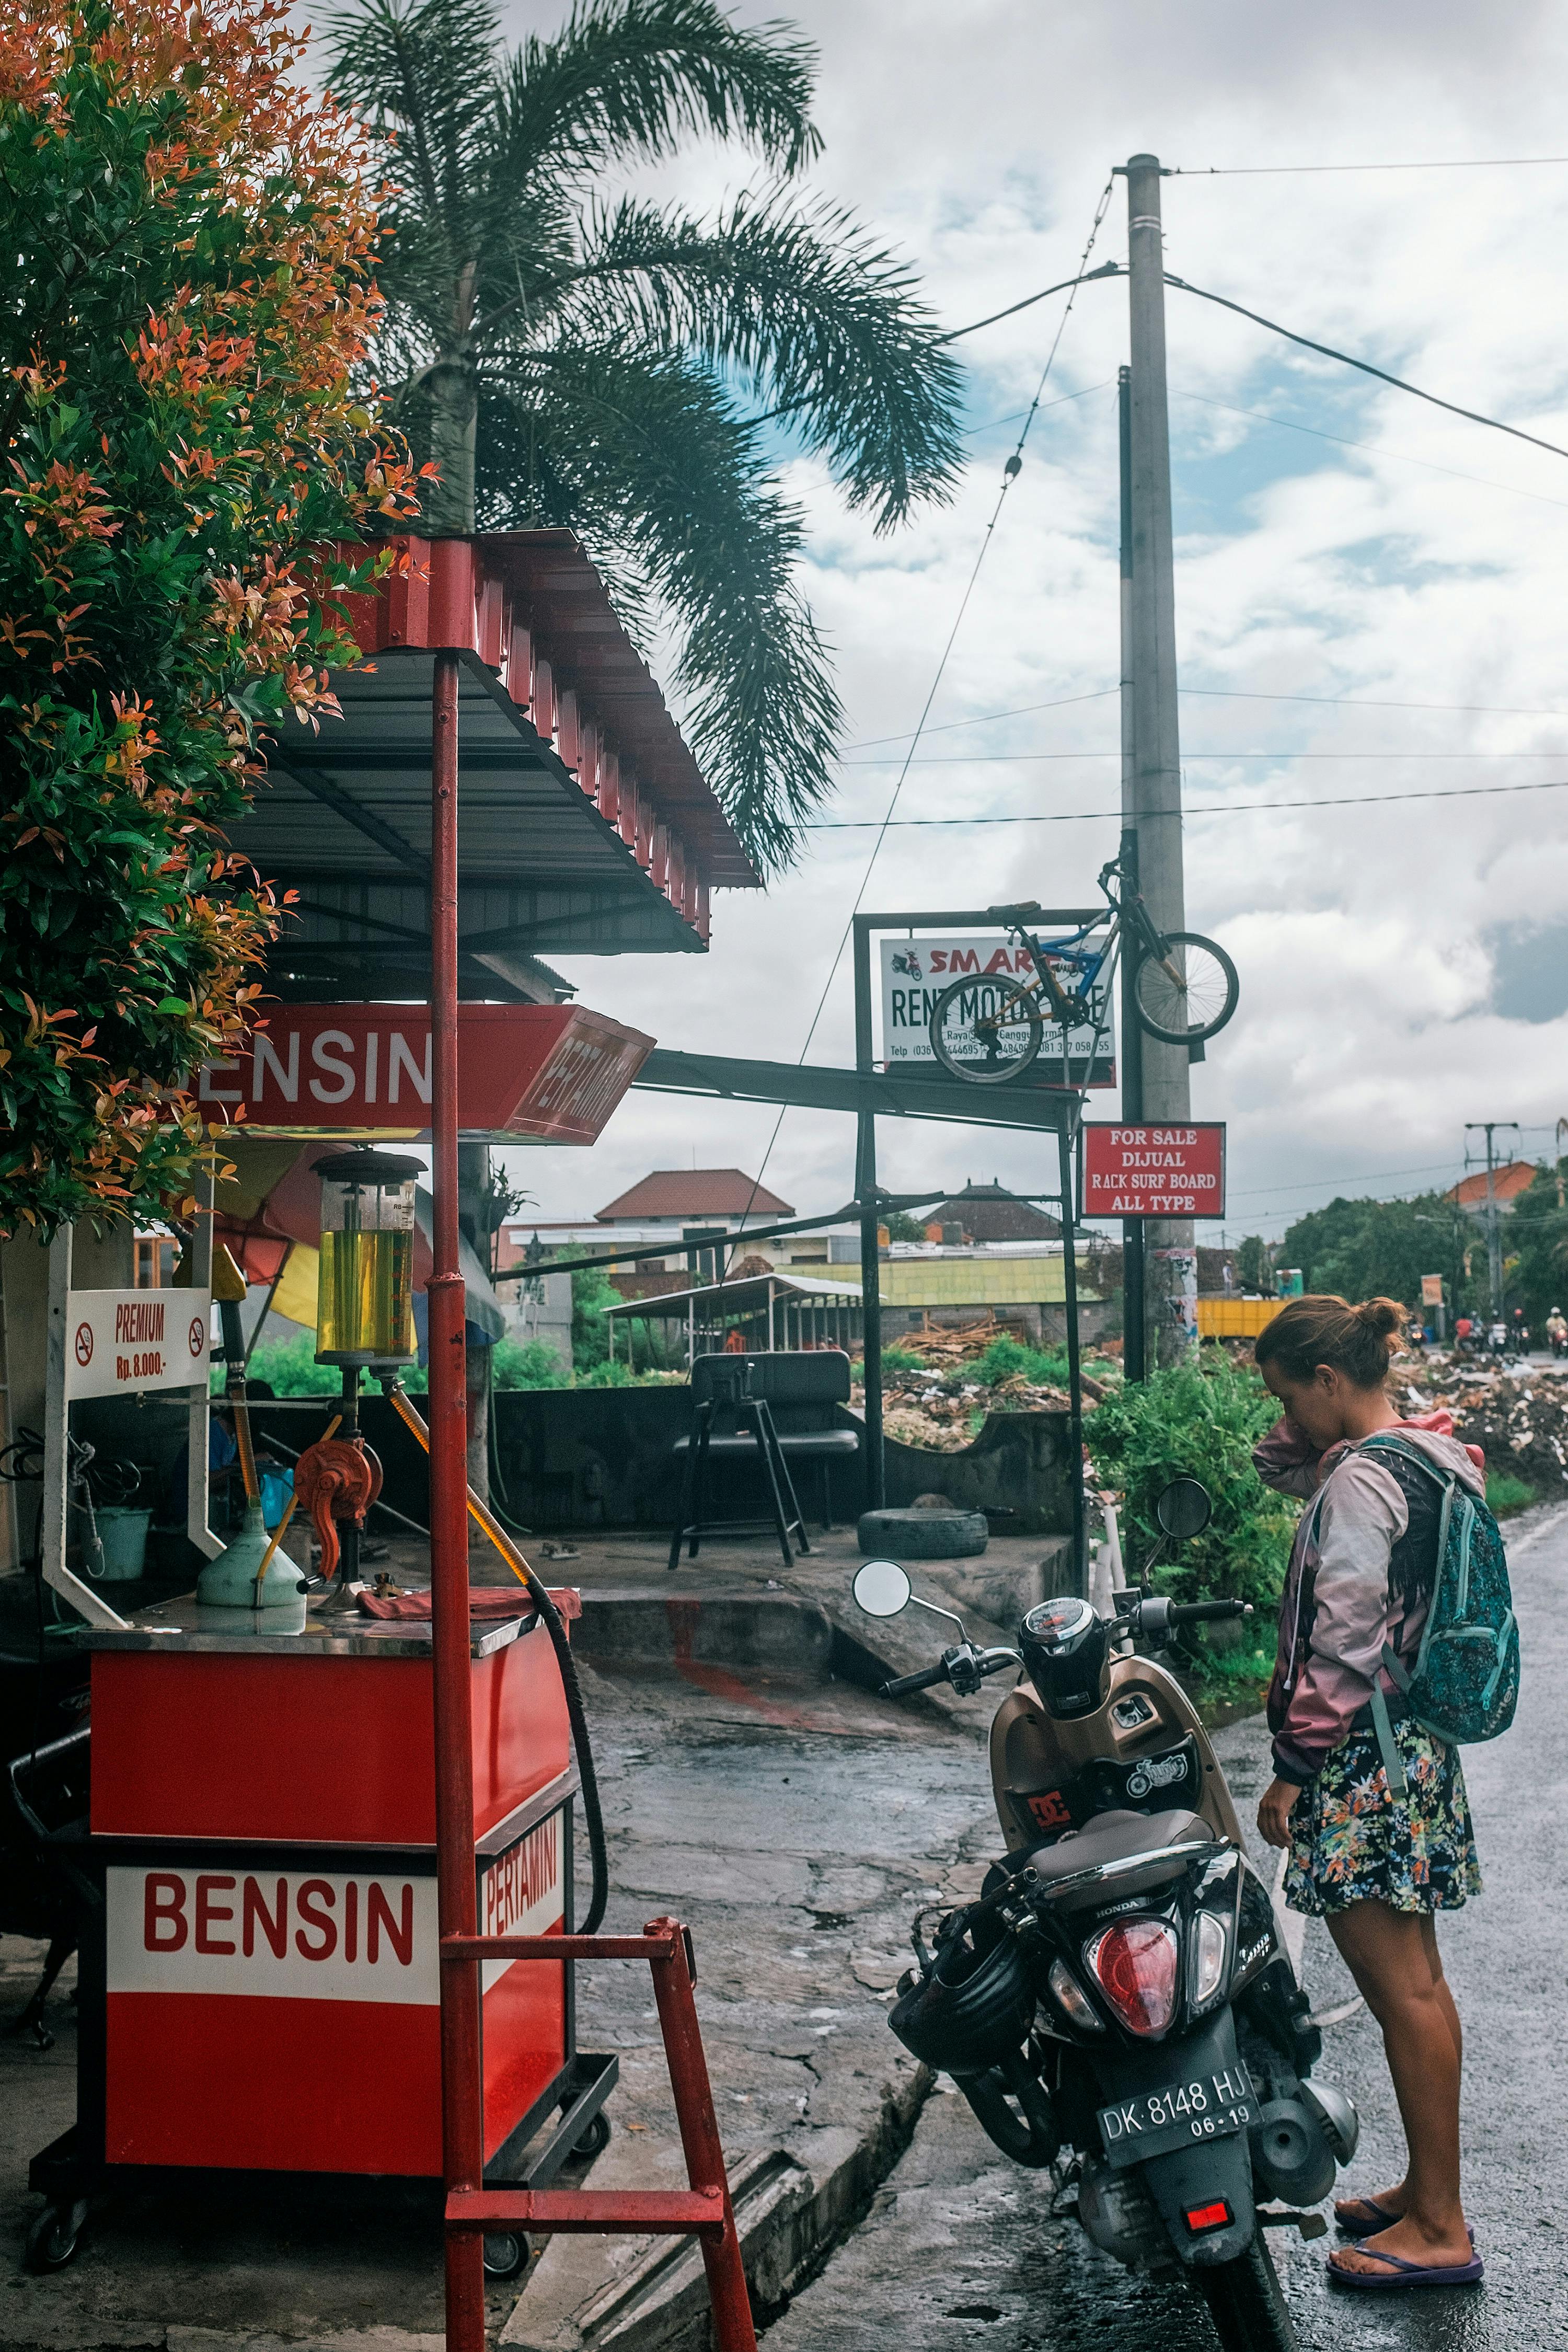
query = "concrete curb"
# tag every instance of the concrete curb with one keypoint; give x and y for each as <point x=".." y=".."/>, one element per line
<point x="650" y="2295"/>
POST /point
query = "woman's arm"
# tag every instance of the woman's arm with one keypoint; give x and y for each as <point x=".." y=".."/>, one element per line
<point x="1288" y="1459"/>
<point x="1362" y="1517"/>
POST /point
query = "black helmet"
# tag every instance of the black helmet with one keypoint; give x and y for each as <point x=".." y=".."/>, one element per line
<point x="973" y="2006"/>
<point x="1067" y="1649"/>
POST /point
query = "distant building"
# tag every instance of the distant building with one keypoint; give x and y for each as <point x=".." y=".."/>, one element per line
<point x="691" y="1196"/>
<point x="989" y="1212"/>
<point x="1470" y="1192"/>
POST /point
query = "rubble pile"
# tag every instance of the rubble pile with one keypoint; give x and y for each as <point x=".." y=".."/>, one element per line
<point x="944" y="1409"/>
<point x="1519" y="1417"/>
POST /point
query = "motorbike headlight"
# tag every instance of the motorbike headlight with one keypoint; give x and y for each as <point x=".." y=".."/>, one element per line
<point x="1065" y="1989"/>
<point x="1135" y="1962"/>
<point x="1207" y="1957"/>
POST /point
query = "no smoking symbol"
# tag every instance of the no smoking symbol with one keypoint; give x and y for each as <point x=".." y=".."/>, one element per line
<point x="196" y="1335"/>
<point x="84" y="1343"/>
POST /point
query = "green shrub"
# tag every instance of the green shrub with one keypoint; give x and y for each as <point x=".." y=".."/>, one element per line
<point x="1198" y="1420"/>
<point x="902" y="1360"/>
<point x="1506" y="1494"/>
<point x="527" y="1364"/>
<point x="291" y="1368"/>
<point x="1006" y="1359"/>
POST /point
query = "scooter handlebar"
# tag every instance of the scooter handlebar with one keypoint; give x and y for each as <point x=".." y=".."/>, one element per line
<point x="923" y="1681"/>
<point x="1201" y="1613"/>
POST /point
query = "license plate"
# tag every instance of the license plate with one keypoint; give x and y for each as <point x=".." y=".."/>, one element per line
<point x="1205" y="2106"/>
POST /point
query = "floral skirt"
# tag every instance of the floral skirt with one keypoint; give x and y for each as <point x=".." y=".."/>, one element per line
<point x="1350" y="1841"/>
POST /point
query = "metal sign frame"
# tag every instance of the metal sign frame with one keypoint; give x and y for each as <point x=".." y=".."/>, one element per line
<point x="1068" y="1104"/>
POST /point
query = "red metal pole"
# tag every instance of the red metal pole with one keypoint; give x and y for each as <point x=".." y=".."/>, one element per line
<point x="672" y="1991"/>
<point x="462" y="2128"/>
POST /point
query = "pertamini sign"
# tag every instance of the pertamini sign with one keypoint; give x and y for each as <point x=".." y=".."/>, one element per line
<point x="551" y="1071"/>
<point x="915" y="972"/>
<point x="118" y="1342"/>
<point x="1152" y="1171"/>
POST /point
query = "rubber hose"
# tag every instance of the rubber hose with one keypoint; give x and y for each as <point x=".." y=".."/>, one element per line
<point x="593" y="1817"/>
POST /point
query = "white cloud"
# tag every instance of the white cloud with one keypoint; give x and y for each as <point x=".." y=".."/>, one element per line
<point x="975" y="139"/>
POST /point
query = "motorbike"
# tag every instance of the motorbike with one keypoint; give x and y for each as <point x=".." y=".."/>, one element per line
<point x="1117" y="2007"/>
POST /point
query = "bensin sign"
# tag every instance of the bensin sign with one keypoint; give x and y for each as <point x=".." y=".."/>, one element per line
<point x="1152" y="1171"/>
<point x="915" y="972"/>
<point x="119" y="1342"/>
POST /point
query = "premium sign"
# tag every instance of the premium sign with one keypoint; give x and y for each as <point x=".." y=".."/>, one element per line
<point x="1152" y="1171"/>
<point x="118" y="1342"/>
<point x="916" y="970"/>
<point x="551" y="1071"/>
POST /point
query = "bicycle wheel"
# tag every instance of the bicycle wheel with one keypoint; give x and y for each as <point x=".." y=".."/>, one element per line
<point x="1187" y="993"/>
<point x="985" y="1030"/>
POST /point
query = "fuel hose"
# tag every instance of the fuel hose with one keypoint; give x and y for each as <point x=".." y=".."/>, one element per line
<point x="593" y="1819"/>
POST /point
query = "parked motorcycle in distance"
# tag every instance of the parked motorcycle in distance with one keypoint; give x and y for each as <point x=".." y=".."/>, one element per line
<point x="1117" y="2007"/>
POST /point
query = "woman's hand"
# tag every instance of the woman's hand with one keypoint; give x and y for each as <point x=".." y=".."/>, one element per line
<point x="1274" y="1812"/>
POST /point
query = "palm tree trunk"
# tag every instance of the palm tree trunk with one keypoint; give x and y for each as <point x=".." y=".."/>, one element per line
<point x="452" y="389"/>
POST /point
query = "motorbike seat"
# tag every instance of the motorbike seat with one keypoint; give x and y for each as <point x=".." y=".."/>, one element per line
<point x="1114" y="1836"/>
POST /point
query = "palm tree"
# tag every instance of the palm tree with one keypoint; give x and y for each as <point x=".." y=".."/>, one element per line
<point x="567" y="359"/>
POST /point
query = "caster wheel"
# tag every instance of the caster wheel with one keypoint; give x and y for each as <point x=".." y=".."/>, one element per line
<point x="505" y="2254"/>
<point x="53" y="2238"/>
<point x="596" y="2138"/>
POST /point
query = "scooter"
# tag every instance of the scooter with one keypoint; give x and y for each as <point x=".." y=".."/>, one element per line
<point x="1117" y="2007"/>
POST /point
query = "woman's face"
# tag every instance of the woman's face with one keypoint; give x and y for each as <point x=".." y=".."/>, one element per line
<point x="1317" y="1405"/>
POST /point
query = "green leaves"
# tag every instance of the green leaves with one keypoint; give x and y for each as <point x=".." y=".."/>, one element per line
<point x="614" y="354"/>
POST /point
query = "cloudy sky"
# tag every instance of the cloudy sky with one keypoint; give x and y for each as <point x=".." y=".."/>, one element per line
<point x="1369" y="592"/>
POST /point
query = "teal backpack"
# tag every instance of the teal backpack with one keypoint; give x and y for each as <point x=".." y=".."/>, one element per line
<point x="1463" y="1686"/>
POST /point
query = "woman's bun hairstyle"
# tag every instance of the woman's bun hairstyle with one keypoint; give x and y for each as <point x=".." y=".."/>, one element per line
<point x="1322" y="1328"/>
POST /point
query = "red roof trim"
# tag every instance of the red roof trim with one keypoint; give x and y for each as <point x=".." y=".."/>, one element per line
<point x="533" y="608"/>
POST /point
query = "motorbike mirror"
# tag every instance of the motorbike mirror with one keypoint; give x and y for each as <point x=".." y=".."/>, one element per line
<point x="1183" y="1509"/>
<point x="881" y="1588"/>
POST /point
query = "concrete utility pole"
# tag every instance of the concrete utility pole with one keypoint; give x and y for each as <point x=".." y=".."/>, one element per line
<point x="1488" y="1127"/>
<point x="1151" y="803"/>
<point x="1134" y="1308"/>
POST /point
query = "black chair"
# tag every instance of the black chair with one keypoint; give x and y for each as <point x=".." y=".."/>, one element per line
<point x="776" y="1409"/>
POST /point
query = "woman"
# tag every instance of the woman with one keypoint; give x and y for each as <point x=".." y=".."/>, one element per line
<point x="1375" y="1867"/>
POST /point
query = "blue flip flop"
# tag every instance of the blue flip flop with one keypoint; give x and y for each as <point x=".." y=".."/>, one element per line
<point x="1385" y="2220"/>
<point x="1403" y="2274"/>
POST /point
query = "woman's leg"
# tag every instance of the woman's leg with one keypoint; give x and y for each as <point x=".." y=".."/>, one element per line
<point x="1392" y="1956"/>
<point x="1396" y="2200"/>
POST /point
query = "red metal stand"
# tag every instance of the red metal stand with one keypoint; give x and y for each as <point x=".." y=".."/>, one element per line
<point x="705" y="2210"/>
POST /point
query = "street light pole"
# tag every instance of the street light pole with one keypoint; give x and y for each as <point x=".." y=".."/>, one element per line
<point x="1153" y="799"/>
<point x="1488" y="1127"/>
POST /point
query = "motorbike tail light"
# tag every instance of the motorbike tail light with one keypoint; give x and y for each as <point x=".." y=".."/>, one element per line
<point x="1207" y="1956"/>
<point x="1067" y="1989"/>
<point x="1199" y="2217"/>
<point x="1135" y="1962"/>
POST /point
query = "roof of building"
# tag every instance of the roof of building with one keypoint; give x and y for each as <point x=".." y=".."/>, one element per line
<point x="1470" y="1192"/>
<point x="716" y="1299"/>
<point x="695" y="1193"/>
<point x="989" y="1212"/>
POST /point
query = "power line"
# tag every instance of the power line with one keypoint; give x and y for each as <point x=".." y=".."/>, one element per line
<point x="1106" y="270"/>
<point x="1267" y="171"/>
<point x="1220" y="808"/>
<point x="1015" y="758"/>
<point x="1375" y="449"/>
<point x="1226" y="694"/>
<point x="1472" y="416"/>
<point x="1013" y="414"/>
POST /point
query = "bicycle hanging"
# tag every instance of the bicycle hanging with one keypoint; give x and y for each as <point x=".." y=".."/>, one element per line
<point x="989" y="1028"/>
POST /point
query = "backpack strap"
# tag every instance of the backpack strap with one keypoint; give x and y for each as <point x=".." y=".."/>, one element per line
<point x="1387" y="1746"/>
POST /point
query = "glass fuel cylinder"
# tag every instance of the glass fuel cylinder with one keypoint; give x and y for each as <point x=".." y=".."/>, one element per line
<point x="365" y="1296"/>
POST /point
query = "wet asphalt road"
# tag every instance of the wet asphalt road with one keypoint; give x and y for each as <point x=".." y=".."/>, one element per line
<point x="959" y="2250"/>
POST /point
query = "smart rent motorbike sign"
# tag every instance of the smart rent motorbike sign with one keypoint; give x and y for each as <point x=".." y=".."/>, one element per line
<point x="1152" y="1171"/>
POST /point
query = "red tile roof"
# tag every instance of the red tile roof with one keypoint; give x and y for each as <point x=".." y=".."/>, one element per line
<point x="1470" y="1192"/>
<point x="695" y="1193"/>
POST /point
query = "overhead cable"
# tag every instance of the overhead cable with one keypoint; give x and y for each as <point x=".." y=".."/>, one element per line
<point x="1191" y="809"/>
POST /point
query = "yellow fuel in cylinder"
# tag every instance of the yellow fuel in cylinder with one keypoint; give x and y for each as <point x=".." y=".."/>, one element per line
<point x="365" y="1300"/>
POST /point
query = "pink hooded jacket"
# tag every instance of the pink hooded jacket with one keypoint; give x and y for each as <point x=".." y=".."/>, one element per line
<point x="1337" y="1610"/>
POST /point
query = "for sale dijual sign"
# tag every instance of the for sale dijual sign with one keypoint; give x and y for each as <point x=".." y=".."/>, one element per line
<point x="1152" y="1171"/>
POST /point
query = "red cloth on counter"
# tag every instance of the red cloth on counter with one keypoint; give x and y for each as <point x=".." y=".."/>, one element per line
<point x="490" y="1601"/>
